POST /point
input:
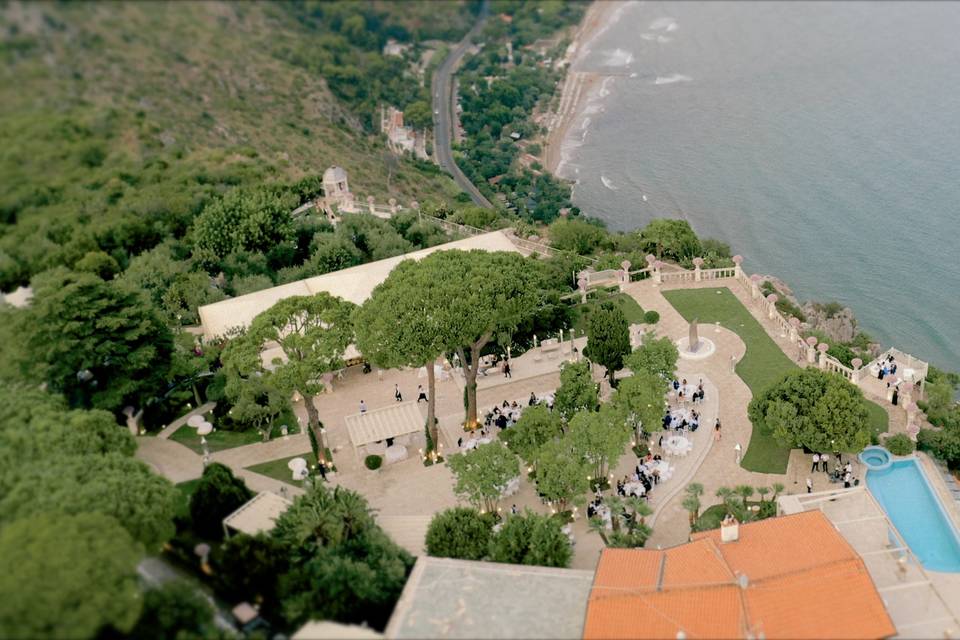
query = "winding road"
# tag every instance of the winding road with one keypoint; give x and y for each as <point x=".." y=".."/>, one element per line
<point x="443" y="111"/>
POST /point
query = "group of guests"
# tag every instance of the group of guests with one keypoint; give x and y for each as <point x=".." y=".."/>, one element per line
<point x="646" y="473"/>
<point x="680" y="423"/>
<point x="681" y="388"/>
<point x="887" y="367"/>
<point x="841" y="472"/>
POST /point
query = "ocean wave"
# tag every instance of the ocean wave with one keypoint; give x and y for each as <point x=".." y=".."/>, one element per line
<point x="664" y="39"/>
<point x="618" y="58"/>
<point x="605" y="87"/>
<point x="607" y="183"/>
<point x="676" y="77"/>
<point x="663" y="24"/>
<point x="648" y="36"/>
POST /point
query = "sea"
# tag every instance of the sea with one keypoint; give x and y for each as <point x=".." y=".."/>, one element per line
<point x="821" y="140"/>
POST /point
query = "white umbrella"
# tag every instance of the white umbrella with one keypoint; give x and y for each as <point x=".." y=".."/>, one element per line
<point x="195" y="420"/>
<point x="205" y="429"/>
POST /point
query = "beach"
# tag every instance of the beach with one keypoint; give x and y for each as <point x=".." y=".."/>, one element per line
<point x="578" y="86"/>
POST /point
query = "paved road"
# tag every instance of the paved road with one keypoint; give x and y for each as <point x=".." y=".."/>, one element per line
<point x="443" y="105"/>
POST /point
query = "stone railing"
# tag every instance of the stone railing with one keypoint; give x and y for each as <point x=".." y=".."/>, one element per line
<point x="453" y="227"/>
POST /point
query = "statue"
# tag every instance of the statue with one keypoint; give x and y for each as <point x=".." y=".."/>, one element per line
<point x="693" y="343"/>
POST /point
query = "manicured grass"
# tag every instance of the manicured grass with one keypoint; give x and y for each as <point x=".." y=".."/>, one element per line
<point x="629" y="306"/>
<point x="278" y="470"/>
<point x="219" y="440"/>
<point x="763" y="364"/>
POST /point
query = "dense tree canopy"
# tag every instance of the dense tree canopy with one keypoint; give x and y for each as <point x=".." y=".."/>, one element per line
<point x="343" y="566"/>
<point x="460" y="532"/>
<point x="97" y="343"/>
<point x="531" y="539"/>
<point x="313" y="333"/>
<point x="561" y="471"/>
<point x="219" y="494"/>
<point x="536" y="425"/>
<point x="174" y="610"/>
<point x="814" y="409"/>
<point x="657" y="356"/>
<point x="67" y="577"/>
<point x="483" y="473"/>
<point x="252" y="219"/>
<point x="577" y="390"/>
<point x="114" y="485"/>
<point x="608" y="338"/>
<point x="672" y="239"/>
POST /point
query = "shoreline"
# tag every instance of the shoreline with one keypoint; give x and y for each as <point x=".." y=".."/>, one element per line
<point x="578" y="86"/>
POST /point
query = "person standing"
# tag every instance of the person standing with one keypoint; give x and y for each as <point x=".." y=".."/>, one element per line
<point x="396" y="393"/>
<point x="846" y="480"/>
<point x="421" y="394"/>
<point x="363" y="407"/>
<point x="716" y="430"/>
<point x="825" y="462"/>
<point x="506" y="370"/>
<point x="738" y="449"/>
<point x="322" y="468"/>
<point x="816" y="462"/>
<point x="809" y="485"/>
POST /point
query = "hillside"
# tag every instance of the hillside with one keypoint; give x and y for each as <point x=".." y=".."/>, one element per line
<point x="122" y="120"/>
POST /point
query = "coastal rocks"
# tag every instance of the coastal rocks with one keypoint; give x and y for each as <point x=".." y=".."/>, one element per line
<point x="833" y="320"/>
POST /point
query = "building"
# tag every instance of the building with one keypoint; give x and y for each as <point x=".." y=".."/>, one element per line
<point x="257" y="515"/>
<point x="793" y="576"/>
<point x="401" y="138"/>
<point x="446" y="598"/>
<point x="336" y="188"/>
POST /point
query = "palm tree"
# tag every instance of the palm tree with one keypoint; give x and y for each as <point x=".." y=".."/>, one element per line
<point x="763" y="491"/>
<point x="691" y="501"/>
<point x="777" y="490"/>
<point x="597" y="525"/>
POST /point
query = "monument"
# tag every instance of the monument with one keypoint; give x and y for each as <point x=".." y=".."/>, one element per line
<point x="693" y="347"/>
<point x="693" y="341"/>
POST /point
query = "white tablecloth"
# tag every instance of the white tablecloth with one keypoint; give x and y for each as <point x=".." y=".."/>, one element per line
<point x="677" y="445"/>
<point x="395" y="453"/>
<point x="473" y="443"/>
<point x="634" y="489"/>
<point x="679" y="415"/>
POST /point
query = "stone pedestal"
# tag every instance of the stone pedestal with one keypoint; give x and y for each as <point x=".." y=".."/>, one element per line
<point x="811" y="355"/>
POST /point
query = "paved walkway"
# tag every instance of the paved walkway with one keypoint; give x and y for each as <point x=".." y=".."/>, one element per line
<point x="407" y="491"/>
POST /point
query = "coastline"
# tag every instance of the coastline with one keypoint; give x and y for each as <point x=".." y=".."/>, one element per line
<point x="578" y="86"/>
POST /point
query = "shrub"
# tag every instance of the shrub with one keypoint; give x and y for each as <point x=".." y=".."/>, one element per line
<point x="373" y="462"/>
<point x="460" y="532"/>
<point x="899" y="444"/>
<point x="943" y="444"/>
<point x="218" y="494"/>
<point x="531" y="539"/>
<point x="651" y="317"/>
<point x="641" y="449"/>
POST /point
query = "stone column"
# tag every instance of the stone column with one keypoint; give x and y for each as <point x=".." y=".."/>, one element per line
<point x="772" y="308"/>
<point x="697" y="275"/>
<point x="737" y="270"/>
<point x="856" y="364"/>
<point x="657" y="274"/>
<point x="393" y="206"/>
<point x="794" y="330"/>
<point x="370" y="203"/>
<point x="651" y="261"/>
<point x="582" y="285"/>
<point x="822" y="348"/>
<point x="624" y="274"/>
<point x="811" y="350"/>
<point x="755" y="286"/>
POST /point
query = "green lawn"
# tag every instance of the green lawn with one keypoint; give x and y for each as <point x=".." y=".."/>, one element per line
<point x="219" y="440"/>
<point x="763" y="364"/>
<point x="277" y="469"/>
<point x="629" y="306"/>
<point x="184" y="491"/>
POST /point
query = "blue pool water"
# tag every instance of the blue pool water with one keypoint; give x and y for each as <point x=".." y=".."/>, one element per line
<point x="915" y="511"/>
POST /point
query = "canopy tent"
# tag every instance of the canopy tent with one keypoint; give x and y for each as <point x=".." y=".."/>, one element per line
<point x="354" y="285"/>
<point x="402" y="421"/>
<point x="258" y="514"/>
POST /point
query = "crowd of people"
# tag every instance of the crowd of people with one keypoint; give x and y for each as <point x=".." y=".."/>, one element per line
<point x="842" y="472"/>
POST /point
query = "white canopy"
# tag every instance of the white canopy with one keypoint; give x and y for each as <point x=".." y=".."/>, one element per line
<point x="379" y="424"/>
<point x="354" y="285"/>
<point x="258" y="514"/>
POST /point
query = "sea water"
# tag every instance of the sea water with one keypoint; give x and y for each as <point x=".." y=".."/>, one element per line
<point x="821" y="140"/>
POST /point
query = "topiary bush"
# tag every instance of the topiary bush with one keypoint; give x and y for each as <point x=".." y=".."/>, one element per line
<point x="373" y="462"/>
<point x="460" y="532"/>
<point x="899" y="445"/>
<point x="651" y="317"/>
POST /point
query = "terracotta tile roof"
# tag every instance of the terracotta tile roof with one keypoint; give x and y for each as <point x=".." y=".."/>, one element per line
<point x="802" y="580"/>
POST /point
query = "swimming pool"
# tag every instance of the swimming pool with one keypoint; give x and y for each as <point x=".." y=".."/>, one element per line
<point x="905" y="494"/>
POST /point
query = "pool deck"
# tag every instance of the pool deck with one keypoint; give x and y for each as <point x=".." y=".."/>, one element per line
<point x="922" y="603"/>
